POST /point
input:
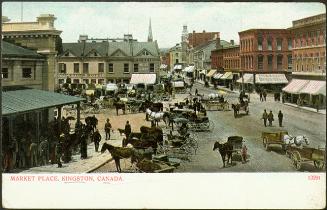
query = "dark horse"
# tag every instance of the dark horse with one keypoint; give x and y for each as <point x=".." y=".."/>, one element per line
<point x="118" y="153"/>
<point x="236" y="108"/>
<point x="155" y="107"/>
<point x="224" y="149"/>
<point x="120" y="105"/>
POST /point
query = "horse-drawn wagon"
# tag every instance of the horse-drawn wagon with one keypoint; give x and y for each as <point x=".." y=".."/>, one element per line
<point x="243" y="106"/>
<point x="307" y="154"/>
<point x="179" y="86"/>
<point x="276" y="138"/>
<point x="217" y="105"/>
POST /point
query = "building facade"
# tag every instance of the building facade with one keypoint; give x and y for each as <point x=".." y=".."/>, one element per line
<point x="309" y="45"/>
<point x="196" y="39"/>
<point x="107" y="61"/>
<point x="266" y="50"/>
<point x="40" y="36"/>
<point x="226" y="58"/>
<point x="175" y="56"/>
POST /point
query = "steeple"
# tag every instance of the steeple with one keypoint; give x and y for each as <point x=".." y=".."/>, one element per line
<point x="150" y="39"/>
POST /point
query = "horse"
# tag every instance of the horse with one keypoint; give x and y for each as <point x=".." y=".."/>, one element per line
<point x="120" y="105"/>
<point x="296" y="140"/>
<point x="157" y="116"/>
<point x="139" y="144"/>
<point x="118" y="153"/>
<point x="225" y="149"/>
<point x="236" y="108"/>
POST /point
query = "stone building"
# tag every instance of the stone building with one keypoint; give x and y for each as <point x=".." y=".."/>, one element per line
<point x="100" y="61"/>
<point x="175" y="56"/>
<point x="40" y="36"/>
<point x="309" y="46"/>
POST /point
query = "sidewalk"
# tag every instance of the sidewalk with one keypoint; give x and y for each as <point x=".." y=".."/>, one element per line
<point x="322" y="111"/>
<point x="223" y="88"/>
<point x="77" y="165"/>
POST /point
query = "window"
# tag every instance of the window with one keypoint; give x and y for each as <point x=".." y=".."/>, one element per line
<point x="76" y="67"/>
<point x="126" y="68"/>
<point x="136" y="67"/>
<point x="151" y="67"/>
<point x="312" y="35"/>
<point x="145" y="52"/>
<point x="85" y="68"/>
<point x="27" y="73"/>
<point x="259" y="43"/>
<point x="100" y="67"/>
<point x="176" y="61"/>
<point x="93" y="81"/>
<point x="100" y="81"/>
<point x="279" y="44"/>
<point x="269" y="42"/>
<point x="289" y="62"/>
<point x="279" y="62"/>
<point x="260" y="62"/>
<point x="62" y="68"/>
<point x="270" y="62"/>
<point x="111" y="68"/>
<point x="75" y="81"/>
<point x="5" y="73"/>
<point x="289" y="44"/>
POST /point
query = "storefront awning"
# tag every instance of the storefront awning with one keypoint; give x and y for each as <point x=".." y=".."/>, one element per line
<point x="203" y="71"/>
<point x="188" y="69"/>
<point x="295" y="86"/>
<point x="227" y="76"/>
<point x="178" y="84"/>
<point x="248" y="78"/>
<point x="143" y="79"/>
<point x="111" y="87"/>
<point x="217" y="76"/>
<point x="270" y="79"/>
<point x="211" y="73"/>
<point x="314" y="87"/>
<point x="178" y="67"/>
<point x="22" y="101"/>
<point x="163" y="66"/>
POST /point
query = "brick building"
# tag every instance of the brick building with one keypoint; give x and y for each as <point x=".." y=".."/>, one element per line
<point x="200" y="38"/>
<point x="309" y="45"/>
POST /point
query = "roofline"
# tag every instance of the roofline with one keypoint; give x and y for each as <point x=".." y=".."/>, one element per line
<point x="262" y="29"/>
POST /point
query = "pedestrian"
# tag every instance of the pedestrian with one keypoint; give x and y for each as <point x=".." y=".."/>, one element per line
<point x="196" y="91"/>
<point x="261" y="99"/>
<point x="128" y="129"/>
<point x="317" y="104"/>
<point x="107" y="128"/>
<point x="270" y="118"/>
<point x="59" y="150"/>
<point x="265" y="117"/>
<point x="264" y="95"/>
<point x="280" y="118"/>
<point x="244" y="152"/>
<point x="96" y="139"/>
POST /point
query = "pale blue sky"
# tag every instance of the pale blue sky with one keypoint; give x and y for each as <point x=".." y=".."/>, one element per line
<point x="105" y="19"/>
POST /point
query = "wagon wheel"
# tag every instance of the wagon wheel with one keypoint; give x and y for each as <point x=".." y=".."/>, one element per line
<point x="319" y="164"/>
<point x="265" y="143"/>
<point x="296" y="158"/>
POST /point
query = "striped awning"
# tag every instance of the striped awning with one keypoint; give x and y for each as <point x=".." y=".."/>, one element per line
<point x="270" y="79"/>
<point x="211" y="73"/>
<point x="314" y="87"/>
<point x="143" y="79"/>
<point x="247" y="78"/>
<point x="178" y="67"/>
<point x="217" y="76"/>
<point x="227" y="76"/>
<point x="295" y="86"/>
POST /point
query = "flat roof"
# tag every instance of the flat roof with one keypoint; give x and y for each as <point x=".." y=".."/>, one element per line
<point x="22" y="101"/>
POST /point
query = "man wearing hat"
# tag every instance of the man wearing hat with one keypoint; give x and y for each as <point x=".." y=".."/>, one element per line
<point x="107" y="128"/>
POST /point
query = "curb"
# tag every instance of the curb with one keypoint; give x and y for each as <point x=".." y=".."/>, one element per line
<point x="98" y="166"/>
<point x="299" y="107"/>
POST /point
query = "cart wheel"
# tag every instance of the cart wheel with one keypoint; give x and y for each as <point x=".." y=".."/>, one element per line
<point x="296" y="158"/>
<point x="319" y="164"/>
<point x="265" y="144"/>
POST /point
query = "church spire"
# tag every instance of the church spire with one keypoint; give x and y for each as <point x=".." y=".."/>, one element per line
<point x="150" y="39"/>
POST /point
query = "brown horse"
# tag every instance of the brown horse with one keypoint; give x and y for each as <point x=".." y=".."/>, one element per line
<point x="119" y="105"/>
<point x="139" y="144"/>
<point x="225" y="149"/>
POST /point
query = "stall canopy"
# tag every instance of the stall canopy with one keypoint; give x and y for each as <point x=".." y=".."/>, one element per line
<point x="295" y="86"/>
<point x="211" y="73"/>
<point x="111" y="87"/>
<point x="248" y="78"/>
<point x="270" y="79"/>
<point x="314" y="87"/>
<point x="143" y="79"/>
<point x="203" y="71"/>
<point x="178" y="84"/>
<point x="178" y="67"/>
<point x="22" y="101"/>
<point x="188" y="69"/>
<point x="227" y="76"/>
<point x="163" y="66"/>
<point x="217" y="76"/>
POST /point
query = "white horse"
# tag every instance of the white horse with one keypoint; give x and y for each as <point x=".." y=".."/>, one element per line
<point x="213" y="96"/>
<point x="295" y="140"/>
<point x="156" y="116"/>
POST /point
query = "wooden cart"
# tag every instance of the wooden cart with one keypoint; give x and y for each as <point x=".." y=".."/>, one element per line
<point x="269" y="138"/>
<point x="307" y="154"/>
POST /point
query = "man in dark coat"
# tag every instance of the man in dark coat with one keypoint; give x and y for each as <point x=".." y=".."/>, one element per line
<point x="107" y="128"/>
<point x="280" y="118"/>
<point x="96" y="139"/>
<point x="128" y="129"/>
<point x="270" y="118"/>
<point x="59" y="150"/>
<point x="265" y="117"/>
<point x="264" y="95"/>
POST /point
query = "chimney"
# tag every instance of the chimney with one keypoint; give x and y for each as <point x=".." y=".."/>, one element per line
<point x="218" y="46"/>
<point x="232" y="41"/>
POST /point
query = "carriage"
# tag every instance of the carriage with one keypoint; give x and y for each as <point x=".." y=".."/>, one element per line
<point x="244" y="106"/>
<point x="133" y="106"/>
<point x="179" y="86"/>
<point x="200" y="123"/>
<point x="307" y="154"/>
<point x="212" y="105"/>
<point x="276" y="138"/>
<point x="237" y="142"/>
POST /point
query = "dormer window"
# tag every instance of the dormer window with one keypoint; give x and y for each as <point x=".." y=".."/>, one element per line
<point x="145" y="52"/>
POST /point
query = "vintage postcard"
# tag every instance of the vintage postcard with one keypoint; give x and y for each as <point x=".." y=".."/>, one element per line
<point x="163" y="105"/>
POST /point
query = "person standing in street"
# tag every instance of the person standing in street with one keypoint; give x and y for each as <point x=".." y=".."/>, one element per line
<point x="270" y="118"/>
<point x="244" y="152"/>
<point x="107" y="128"/>
<point x="59" y="150"/>
<point x="128" y="129"/>
<point x="96" y="139"/>
<point x="196" y="92"/>
<point x="261" y="99"/>
<point x="264" y="95"/>
<point x="280" y="118"/>
<point x="265" y="117"/>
